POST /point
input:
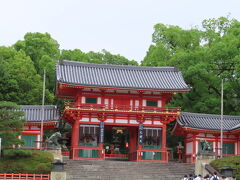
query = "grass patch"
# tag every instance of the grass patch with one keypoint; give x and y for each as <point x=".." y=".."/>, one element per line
<point x="26" y="162"/>
<point x="231" y="161"/>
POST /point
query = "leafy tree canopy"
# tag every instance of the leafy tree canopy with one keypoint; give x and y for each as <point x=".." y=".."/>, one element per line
<point x="19" y="80"/>
<point x="204" y="55"/>
<point x="10" y="123"/>
<point x="103" y="57"/>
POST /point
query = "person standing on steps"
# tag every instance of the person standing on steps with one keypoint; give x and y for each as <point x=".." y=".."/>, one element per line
<point x="190" y="177"/>
<point x="206" y="177"/>
<point x="224" y="178"/>
<point x="215" y="177"/>
<point x="199" y="177"/>
<point x="184" y="178"/>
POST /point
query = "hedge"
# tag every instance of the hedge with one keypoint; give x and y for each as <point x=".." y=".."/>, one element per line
<point x="26" y="162"/>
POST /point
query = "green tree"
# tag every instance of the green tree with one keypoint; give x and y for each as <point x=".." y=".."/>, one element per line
<point x="11" y="123"/>
<point x="19" y="80"/>
<point x="204" y="55"/>
<point x="37" y="45"/>
<point x="44" y="52"/>
<point x="103" y="57"/>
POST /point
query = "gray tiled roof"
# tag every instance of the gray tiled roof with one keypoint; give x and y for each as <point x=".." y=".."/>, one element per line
<point x="33" y="113"/>
<point x="131" y="77"/>
<point x="208" y="121"/>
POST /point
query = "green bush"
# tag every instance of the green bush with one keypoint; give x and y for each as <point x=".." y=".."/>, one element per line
<point x="232" y="161"/>
<point x="17" y="153"/>
<point x="39" y="162"/>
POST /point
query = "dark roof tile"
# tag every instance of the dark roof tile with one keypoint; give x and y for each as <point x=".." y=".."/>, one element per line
<point x="33" y="113"/>
<point x="133" y="77"/>
<point x="208" y="121"/>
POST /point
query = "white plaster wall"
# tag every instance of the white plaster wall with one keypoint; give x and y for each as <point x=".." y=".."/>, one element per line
<point x="95" y="120"/>
<point x="131" y="102"/>
<point x="121" y="121"/>
<point x="137" y="103"/>
<point x="99" y="100"/>
<point x="83" y="100"/>
<point x="201" y="135"/>
<point x="214" y="146"/>
<point x="235" y="147"/>
<point x="35" y="128"/>
<point x="196" y="146"/>
<point x="106" y="101"/>
<point x="157" y="123"/>
<point x="144" y="102"/>
<point x="159" y="103"/>
<point x="189" y="149"/>
<point x="38" y="143"/>
<point x="109" y="121"/>
<point x="133" y="122"/>
<point x="111" y="103"/>
<point x="219" y="146"/>
<point x="34" y="132"/>
<point x="147" y="122"/>
<point x="210" y="135"/>
<point x="85" y="119"/>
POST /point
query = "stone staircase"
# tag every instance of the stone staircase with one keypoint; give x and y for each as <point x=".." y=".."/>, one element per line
<point x="125" y="170"/>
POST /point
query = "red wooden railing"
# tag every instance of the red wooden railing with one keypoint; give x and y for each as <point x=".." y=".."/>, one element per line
<point x="74" y="153"/>
<point x="122" y="108"/>
<point x="65" y="153"/>
<point x="116" y="156"/>
<point x="25" y="176"/>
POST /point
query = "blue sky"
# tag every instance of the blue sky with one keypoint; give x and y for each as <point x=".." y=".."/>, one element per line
<point x="120" y="26"/>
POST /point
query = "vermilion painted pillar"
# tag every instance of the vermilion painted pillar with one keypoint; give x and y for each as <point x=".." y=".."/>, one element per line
<point x="132" y="142"/>
<point x="216" y="145"/>
<point x="164" y="140"/>
<point x="140" y="141"/>
<point x="194" y="149"/>
<point x="75" y="138"/>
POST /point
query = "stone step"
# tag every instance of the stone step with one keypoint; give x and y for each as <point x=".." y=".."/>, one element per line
<point x="125" y="170"/>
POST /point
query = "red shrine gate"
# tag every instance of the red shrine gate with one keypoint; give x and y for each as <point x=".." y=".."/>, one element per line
<point x="126" y="96"/>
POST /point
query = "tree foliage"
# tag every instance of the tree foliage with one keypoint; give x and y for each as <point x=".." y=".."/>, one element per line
<point x="103" y="57"/>
<point x="204" y="55"/>
<point x="19" y="80"/>
<point x="10" y="123"/>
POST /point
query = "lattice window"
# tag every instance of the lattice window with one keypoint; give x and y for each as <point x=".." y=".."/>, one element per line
<point x="152" y="103"/>
<point x="89" y="135"/>
<point x="91" y="100"/>
<point x="152" y="138"/>
<point x="29" y="140"/>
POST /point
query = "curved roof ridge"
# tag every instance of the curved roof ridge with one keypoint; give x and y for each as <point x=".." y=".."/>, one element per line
<point x="119" y="76"/>
<point x="37" y="106"/>
<point x="208" y="121"/>
<point x="33" y="113"/>
<point x="111" y="66"/>
<point x="212" y="115"/>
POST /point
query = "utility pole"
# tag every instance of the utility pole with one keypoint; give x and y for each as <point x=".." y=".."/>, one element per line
<point x="221" y="123"/>
<point x="42" y="117"/>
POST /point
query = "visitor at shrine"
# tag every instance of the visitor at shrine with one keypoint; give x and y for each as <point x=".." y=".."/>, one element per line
<point x="191" y="177"/>
<point x="215" y="177"/>
<point x="199" y="177"/>
<point x="224" y="178"/>
<point x="207" y="177"/>
<point x="185" y="177"/>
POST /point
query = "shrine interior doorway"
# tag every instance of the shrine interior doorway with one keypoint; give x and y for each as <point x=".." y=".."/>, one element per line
<point x="118" y="142"/>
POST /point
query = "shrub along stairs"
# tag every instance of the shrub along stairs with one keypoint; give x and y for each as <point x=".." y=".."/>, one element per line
<point x="125" y="170"/>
